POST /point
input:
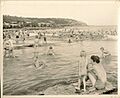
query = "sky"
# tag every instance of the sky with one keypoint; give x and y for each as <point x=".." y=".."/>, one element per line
<point x="90" y="12"/>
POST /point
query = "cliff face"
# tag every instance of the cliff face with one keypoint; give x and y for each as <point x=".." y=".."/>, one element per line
<point x="55" y="22"/>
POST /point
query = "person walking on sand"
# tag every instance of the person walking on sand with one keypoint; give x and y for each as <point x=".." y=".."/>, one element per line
<point x="82" y="70"/>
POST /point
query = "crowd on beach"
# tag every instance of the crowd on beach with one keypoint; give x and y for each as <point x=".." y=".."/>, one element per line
<point x="11" y="37"/>
<point x="89" y="67"/>
<point x="74" y="34"/>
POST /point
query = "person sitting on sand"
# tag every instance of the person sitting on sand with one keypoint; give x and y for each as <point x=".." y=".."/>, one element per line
<point x="50" y="51"/>
<point x="96" y="72"/>
<point x="82" y="70"/>
<point x="8" y="46"/>
<point x="105" y="56"/>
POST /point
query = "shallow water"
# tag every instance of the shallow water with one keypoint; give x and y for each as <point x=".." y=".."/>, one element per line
<point x="21" y="77"/>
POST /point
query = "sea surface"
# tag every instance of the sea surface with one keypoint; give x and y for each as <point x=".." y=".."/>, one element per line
<point x="20" y="77"/>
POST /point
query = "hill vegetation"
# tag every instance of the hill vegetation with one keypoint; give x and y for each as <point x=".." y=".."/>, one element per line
<point x="41" y="22"/>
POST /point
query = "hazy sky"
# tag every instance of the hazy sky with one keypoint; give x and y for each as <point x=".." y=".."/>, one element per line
<point x="92" y="13"/>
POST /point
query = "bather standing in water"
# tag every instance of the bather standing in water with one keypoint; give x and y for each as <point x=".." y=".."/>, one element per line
<point x="105" y="56"/>
<point x="45" y="39"/>
<point x="36" y="46"/>
<point x="8" y="46"/>
<point x="82" y="71"/>
<point x="69" y="40"/>
<point x="51" y="51"/>
<point x="17" y="37"/>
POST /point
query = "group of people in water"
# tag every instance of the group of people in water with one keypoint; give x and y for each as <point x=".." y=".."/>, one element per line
<point x="89" y="67"/>
<point x="78" y="35"/>
<point x="10" y="38"/>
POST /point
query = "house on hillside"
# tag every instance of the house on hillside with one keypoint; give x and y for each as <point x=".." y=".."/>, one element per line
<point x="6" y="25"/>
<point x="28" y="24"/>
<point x="42" y="24"/>
<point x="14" y="24"/>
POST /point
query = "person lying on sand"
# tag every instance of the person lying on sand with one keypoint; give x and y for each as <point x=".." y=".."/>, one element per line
<point x="82" y="70"/>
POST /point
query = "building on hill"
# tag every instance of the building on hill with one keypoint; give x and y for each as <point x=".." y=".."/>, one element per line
<point x="28" y="24"/>
<point x="6" y="25"/>
<point x="42" y="24"/>
<point x="14" y="24"/>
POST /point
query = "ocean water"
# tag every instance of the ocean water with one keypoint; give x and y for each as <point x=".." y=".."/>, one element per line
<point x="22" y="78"/>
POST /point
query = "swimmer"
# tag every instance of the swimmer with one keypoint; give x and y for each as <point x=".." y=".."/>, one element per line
<point x="105" y="55"/>
<point x="38" y="63"/>
<point x="50" y="51"/>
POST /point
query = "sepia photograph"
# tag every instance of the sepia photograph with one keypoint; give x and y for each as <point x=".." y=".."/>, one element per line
<point x="60" y="48"/>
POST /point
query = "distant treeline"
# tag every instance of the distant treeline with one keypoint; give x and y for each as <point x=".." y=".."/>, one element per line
<point x="20" y="22"/>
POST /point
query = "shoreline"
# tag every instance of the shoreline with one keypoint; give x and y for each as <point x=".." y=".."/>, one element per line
<point x="21" y="46"/>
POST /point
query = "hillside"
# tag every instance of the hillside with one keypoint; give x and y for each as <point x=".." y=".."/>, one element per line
<point x="55" y="22"/>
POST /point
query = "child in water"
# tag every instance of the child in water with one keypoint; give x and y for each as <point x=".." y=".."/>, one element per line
<point x="50" y="51"/>
<point x="36" y="45"/>
<point x="38" y="63"/>
<point x="106" y="56"/>
<point x="82" y="70"/>
<point x="8" y="46"/>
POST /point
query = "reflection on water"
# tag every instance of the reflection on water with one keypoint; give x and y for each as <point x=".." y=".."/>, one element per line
<point x="21" y="77"/>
